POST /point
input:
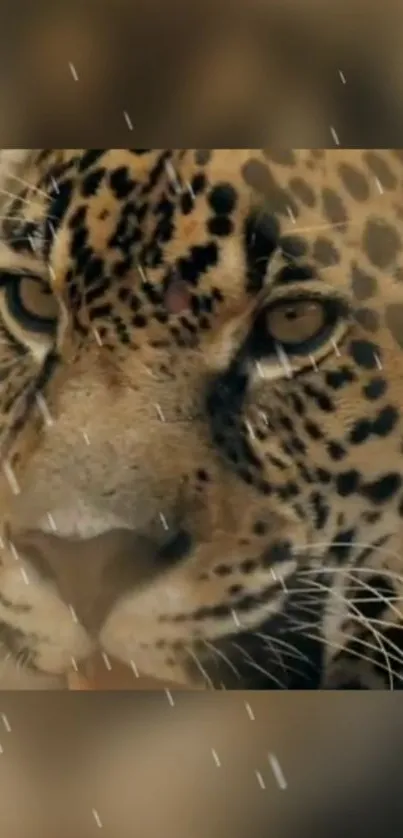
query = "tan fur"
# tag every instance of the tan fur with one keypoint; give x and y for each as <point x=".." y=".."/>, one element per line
<point x="125" y="439"/>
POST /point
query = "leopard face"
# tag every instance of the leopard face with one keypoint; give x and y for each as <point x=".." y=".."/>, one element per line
<point x="201" y="413"/>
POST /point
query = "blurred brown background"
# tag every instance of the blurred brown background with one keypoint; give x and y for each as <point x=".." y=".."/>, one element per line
<point x="201" y="73"/>
<point x="177" y="765"/>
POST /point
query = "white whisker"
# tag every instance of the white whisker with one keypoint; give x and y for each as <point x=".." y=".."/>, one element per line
<point x="270" y="646"/>
<point x="26" y="183"/>
<point x="366" y="623"/>
<point x="201" y="669"/>
<point x="289" y="649"/>
<point x="256" y="666"/>
<point x="19" y="198"/>
<point x="341" y="647"/>
<point x="360" y="545"/>
<point x="223" y="657"/>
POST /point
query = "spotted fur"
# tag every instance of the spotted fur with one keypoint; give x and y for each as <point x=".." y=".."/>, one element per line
<point x="256" y="495"/>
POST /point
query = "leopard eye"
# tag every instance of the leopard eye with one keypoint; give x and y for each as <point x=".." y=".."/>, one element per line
<point x="30" y="302"/>
<point x="300" y="325"/>
<point x="295" y="322"/>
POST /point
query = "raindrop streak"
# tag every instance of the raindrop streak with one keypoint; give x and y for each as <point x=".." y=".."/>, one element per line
<point x="141" y="271"/>
<point x="164" y="521"/>
<point x="73" y="71"/>
<point x="235" y="618"/>
<point x="73" y="614"/>
<point x="190" y="191"/>
<point x="24" y="575"/>
<point x="250" y="430"/>
<point x="106" y="661"/>
<point x="128" y="120"/>
<point x="169" y="697"/>
<point x="14" y="551"/>
<point x="216" y="758"/>
<point x="52" y="522"/>
<point x="134" y="668"/>
<point x="44" y="410"/>
<point x="6" y="723"/>
<point x="277" y="771"/>
<point x="379" y="185"/>
<point x="173" y="177"/>
<point x="160" y="413"/>
<point x="378" y="362"/>
<point x="97" y="337"/>
<point x="283" y="359"/>
<point x="97" y="818"/>
<point x="12" y="480"/>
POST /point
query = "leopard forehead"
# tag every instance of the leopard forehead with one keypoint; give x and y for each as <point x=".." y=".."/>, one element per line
<point x="187" y="213"/>
<point x="160" y="260"/>
<point x="141" y="240"/>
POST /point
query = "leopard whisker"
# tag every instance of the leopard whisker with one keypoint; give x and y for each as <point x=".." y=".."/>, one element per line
<point x="288" y="648"/>
<point x="366" y="623"/>
<point x="28" y="184"/>
<point x="381" y="597"/>
<point x="269" y="644"/>
<point x="220" y="654"/>
<point x="248" y="658"/>
<point x="287" y="668"/>
<point x="20" y="660"/>
<point x="295" y="625"/>
<point x="386" y="624"/>
<point x="200" y="667"/>
<point x="14" y="196"/>
<point x="353" y="653"/>
<point x="353" y="576"/>
<point x="360" y="545"/>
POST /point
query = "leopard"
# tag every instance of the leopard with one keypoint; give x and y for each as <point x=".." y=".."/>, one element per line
<point x="201" y="416"/>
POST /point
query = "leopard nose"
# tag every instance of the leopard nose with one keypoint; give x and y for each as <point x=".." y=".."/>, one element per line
<point x="91" y="575"/>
